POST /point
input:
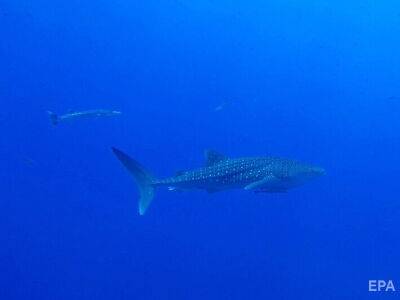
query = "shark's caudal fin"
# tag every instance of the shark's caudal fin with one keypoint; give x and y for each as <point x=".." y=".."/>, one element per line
<point x="53" y="118"/>
<point x="143" y="179"/>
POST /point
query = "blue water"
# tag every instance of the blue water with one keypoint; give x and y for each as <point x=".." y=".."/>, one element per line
<point x="316" y="81"/>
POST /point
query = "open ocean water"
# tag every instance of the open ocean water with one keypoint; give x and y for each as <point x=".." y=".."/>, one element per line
<point x="316" y="81"/>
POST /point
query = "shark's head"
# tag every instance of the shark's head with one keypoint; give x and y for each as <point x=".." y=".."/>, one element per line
<point x="314" y="171"/>
<point x="305" y="173"/>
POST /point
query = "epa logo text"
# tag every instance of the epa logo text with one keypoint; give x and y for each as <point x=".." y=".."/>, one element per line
<point x="381" y="286"/>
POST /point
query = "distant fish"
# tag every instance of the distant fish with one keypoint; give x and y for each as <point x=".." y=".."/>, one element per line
<point x="29" y="161"/>
<point x="222" y="106"/>
<point x="55" y="119"/>
<point x="257" y="174"/>
<point x="393" y="98"/>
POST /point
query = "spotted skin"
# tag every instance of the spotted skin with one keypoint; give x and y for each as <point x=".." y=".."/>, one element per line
<point x="258" y="174"/>
<point x="274" y="175"/>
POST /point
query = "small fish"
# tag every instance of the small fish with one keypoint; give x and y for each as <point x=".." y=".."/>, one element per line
<point x="393" y="98"/>
<point x="222" y="106"/>
<point x="29" y="161"/>
<point x="257" y="174"/>
<point x="55" y="119"/>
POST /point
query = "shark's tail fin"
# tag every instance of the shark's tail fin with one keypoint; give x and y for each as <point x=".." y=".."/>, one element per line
<point x="143" y="179"/>
<point x="53" y="118"/>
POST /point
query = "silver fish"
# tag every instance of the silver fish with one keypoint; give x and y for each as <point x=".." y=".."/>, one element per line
<point x="55" y="119"/>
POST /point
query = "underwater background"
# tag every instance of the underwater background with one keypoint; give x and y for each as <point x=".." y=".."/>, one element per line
<point x="316" y="81"/>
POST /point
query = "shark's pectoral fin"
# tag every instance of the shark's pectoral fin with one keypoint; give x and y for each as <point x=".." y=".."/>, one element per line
<point x="269" y="180"/>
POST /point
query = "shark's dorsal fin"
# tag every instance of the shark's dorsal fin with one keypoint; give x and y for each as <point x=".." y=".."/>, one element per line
<point x="213" y="157"/>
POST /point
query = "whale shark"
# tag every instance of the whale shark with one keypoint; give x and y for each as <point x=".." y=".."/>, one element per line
<point x="257" y="174"/>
